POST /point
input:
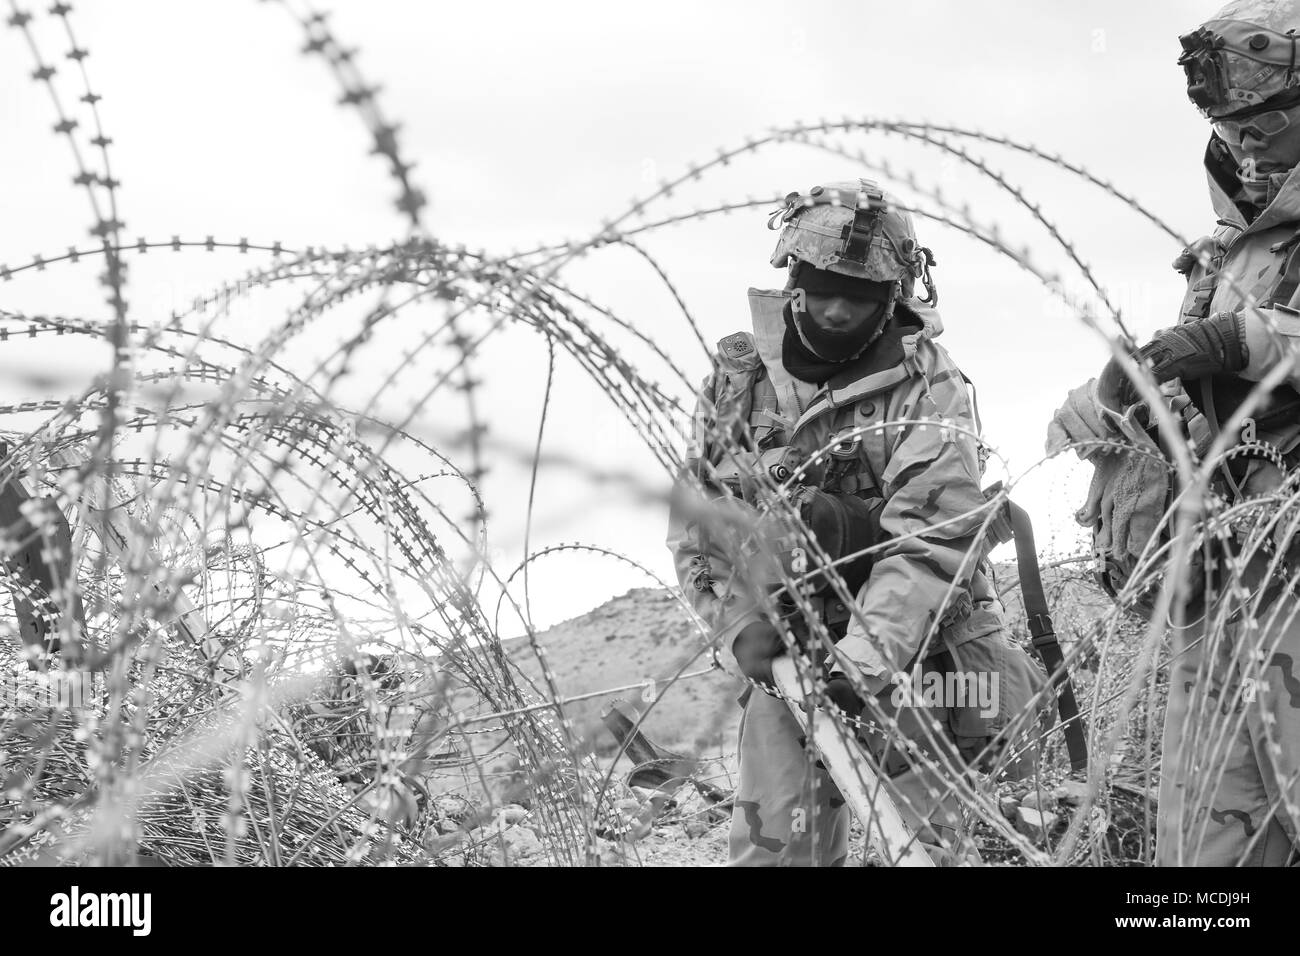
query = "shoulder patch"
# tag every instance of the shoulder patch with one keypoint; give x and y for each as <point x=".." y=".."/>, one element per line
<point x="737" y="351"/>
<point x="736" y="345"/>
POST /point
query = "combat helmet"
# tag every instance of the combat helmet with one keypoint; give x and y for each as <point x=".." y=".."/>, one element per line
<point x="854" y="229"/>
<point x="1243" y="60"/>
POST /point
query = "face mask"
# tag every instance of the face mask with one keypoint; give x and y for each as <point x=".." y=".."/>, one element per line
<point x="873" y="299"/>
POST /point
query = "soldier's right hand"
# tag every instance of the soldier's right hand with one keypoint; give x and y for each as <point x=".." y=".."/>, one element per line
<point x="755" y="647"/>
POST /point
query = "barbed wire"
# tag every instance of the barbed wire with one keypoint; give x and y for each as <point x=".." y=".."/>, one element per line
<point x="289" y="651"/>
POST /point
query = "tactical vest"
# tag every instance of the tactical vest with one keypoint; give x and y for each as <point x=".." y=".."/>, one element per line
<point x="747" y="407"/>
<point x="1219" y="396"/>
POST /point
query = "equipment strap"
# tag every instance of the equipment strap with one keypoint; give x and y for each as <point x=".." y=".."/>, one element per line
<point x="1206" y="385"/>
<point x="1287" y="284"/>
<point x="1043" y="636"/>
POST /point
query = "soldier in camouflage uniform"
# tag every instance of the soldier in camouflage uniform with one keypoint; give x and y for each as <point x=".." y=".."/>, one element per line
<point x="1229" y="788"/>
<point x="845" y="348"/>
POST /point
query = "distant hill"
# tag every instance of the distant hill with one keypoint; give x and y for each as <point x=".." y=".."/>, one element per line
<point x="639" y="636"/>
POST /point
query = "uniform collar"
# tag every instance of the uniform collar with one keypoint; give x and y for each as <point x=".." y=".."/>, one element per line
<point x="885" y="365"/>
<point x="1225" y="193"/>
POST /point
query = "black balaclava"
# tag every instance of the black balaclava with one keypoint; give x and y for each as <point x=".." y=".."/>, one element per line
<point x="814" y="354"/>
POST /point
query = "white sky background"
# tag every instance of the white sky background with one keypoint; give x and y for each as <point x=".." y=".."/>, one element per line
<point x="532" y="122"/>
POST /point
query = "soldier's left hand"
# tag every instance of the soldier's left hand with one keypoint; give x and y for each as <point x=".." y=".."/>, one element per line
<point x="1192" y="350"/>
<point x="840" y="692"/>
<point x="755" y="647"/>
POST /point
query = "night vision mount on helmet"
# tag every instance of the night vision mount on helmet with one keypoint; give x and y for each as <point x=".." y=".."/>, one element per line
<point x="1243" y="59"/>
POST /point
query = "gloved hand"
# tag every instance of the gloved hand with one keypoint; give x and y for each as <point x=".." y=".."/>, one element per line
<point x="1086" y="422"/>
<point x="843" y="525"/>
<point x="755" y="647"/>
<point x="841" y="693"/>
<point x="1188" y="351"/>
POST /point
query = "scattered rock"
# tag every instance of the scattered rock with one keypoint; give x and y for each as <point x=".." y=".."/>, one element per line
<point x="1072" y="792"/>
<point x="452" y="814"/>
<point x="521" y="846"/>
<point x="511" y="814"/>
<point x="1037" y="800"/>
<point x="639" y="830"/>
<point x="453" y="805"/>
<point x="523" y="842"/>
<point x="696" y="828"/>
<point x="440" y="843"/>
<point x="719" y="814"/>
<point x="610" y="856"/>
<point x="1034" y="823"/>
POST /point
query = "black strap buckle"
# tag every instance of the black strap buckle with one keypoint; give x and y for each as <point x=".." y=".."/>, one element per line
<point x="1041" y="629"/>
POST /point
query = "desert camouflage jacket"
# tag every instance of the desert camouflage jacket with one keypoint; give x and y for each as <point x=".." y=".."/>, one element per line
<point x="1262" y="257"/>
<point x="905" y="418"/>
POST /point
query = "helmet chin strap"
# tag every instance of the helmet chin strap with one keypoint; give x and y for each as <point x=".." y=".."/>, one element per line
<point x="885" y="314"/>
<point x="1261" y="188"/>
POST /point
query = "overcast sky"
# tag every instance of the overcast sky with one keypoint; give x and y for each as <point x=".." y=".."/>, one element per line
<point x="532" y="122"/>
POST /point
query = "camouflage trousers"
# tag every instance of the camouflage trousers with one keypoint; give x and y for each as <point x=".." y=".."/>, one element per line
<point x="1230" y="771"/>
<point x="788" y="811"/>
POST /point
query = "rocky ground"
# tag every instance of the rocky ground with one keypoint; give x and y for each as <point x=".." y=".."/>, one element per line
<point x="691" y="835"/>
<point x="634" y="645"/>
